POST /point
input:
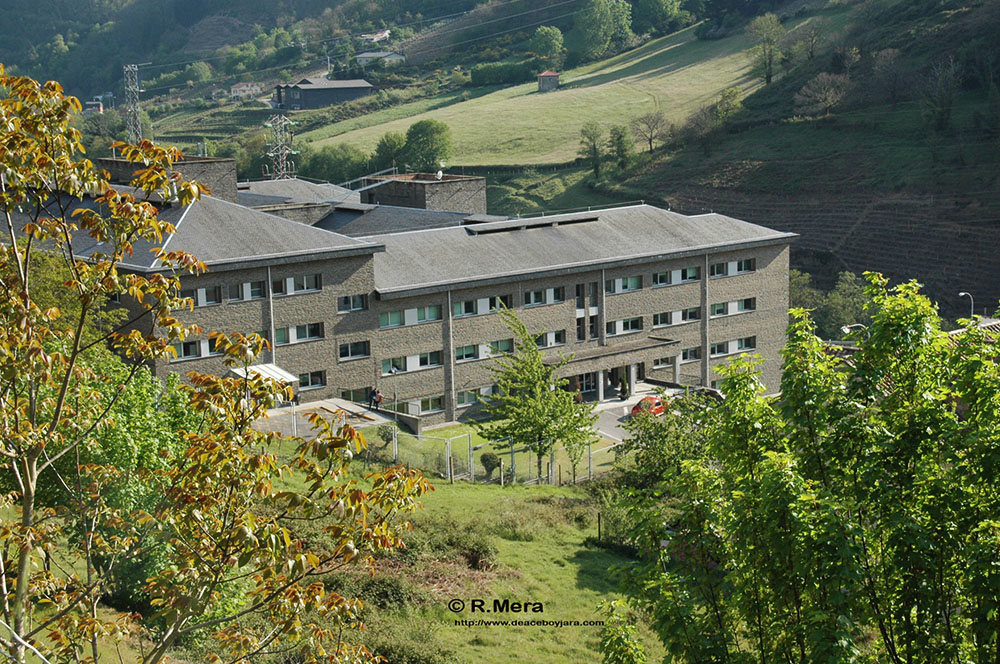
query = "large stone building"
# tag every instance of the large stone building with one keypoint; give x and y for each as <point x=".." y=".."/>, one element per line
<point x="630" y="292"/>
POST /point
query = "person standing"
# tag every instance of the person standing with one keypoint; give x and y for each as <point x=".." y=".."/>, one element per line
<point x="378" y="398"/>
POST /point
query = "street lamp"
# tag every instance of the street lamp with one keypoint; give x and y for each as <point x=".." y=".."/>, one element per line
<point x="972" y="304"/>
<point x="847" y="329"/>
<point x="395" y="406"/>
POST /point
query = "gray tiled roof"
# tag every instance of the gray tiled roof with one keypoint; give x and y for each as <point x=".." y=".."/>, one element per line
<point x="318" y="82"/>
<point x="429" y="260"/>
<point x="224" y="234"/>
<point x="294" y="190"/>
<point x="355" y="221"/>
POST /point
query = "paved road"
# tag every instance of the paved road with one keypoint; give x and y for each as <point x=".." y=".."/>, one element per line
<point x="609" y="422"/>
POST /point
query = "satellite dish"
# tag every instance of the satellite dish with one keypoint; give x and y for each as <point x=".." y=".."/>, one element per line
<point x="439" y="175"/>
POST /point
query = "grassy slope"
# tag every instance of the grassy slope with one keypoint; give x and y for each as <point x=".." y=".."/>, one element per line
<point x="554" y="567"/>
<point x="517" y="125"/>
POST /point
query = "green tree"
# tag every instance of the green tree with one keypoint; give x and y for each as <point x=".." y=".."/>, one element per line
<point x="428" y="143"/>
<point x="853" y="520"/>
<point x="234" y="554"/>
<point x="619" y="638"/>
<point x="594" y="26"/>
<point x="621" y="147"/>
<point x="766" y="32"/>
<point x="532" y="408"/>
<point x="547" y="43"/>
<point x="822" y="93"/>
<point x="621" y="25"/>
<point x="389" y="150"/>
<point x="334" y="163"/>
<point x="654" y="16"/>
<point x="833" y="310"/>
<point x="591" y="141"/>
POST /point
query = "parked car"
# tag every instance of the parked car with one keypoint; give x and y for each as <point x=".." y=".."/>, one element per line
<point x="652" y="405"/>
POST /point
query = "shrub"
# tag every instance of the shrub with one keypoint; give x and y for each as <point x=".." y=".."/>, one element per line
<point x="490" y="463"/>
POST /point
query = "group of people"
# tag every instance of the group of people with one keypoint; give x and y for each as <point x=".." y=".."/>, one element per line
<point x="375" y="399"/>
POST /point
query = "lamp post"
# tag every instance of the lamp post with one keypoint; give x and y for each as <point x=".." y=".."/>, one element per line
<point x="395" y="405"/>
<point x="972" y="304"/>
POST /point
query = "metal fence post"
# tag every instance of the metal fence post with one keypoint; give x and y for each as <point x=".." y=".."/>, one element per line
<point x="395" y="445"/>
<point x="552" y="464"/>
<point x="513" y="466"/>
<point x="447" y="460"/>
<point x="472" y="466"/>
<point x="590" y="462"/>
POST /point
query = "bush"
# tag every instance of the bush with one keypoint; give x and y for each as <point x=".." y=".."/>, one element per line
<point x="490" y="463"/>
<point x="498" y="73"/>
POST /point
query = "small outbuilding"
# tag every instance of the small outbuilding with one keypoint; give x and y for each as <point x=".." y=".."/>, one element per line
<point x="548" y="80"/>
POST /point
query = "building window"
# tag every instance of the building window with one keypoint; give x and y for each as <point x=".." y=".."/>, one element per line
<point x="359" y="395"/>
<point x="466" y="308"/>
<point x="718" y="270"/>
<point x="397" y="363"/>
<point x="690" y="274"/>
<point x="533" y="298"/>
<point x="309" y="331"/>
<point x="746" y="265"/>
<point x="692" y="313"/>
<point x="280" y="336"/>
<point x="431" y="359"/>
<point x="663" y="362"/>
<point x="499" y="301"/>
<point x="257" y="290"/>
<point x="661" y="320"/>
<point x="746" y="304"/>
<point x="430" y="312"/>
<point x="431" y="404"/>
<point x="623" y="285"/>
<point x="594" y="327"/>
<point x="610" y="328"/>
<point x="581" y="329"/>
<point x="746" y="343"/>
<point x="718" y="309"/>
<point x="559" y="337"/>
<point x="348" y="303"/>
<point x="307" y="282"/>
<point x="559" y="294"/>
<point x="279" y="287"/>
<point x="191" y="294"/>
<point x="691" y="354"/>
<point x="311" y="380"/>
<point x="721" y="348"/>
<point x="632" y="324"/>
<point x="581" y="296"/>
<point x="188" y="349"/>
<point x="502" y="346"/>
<point x="661" y="278"/>
<point x="215" y="346"/>
<point x="235" y="292"/>
<point x="467" y="397"/>
<point x="467" y="353"/>
<point x="391" y="319"/>
<point x="354" y="349"/>
<point x="213" y="295"/>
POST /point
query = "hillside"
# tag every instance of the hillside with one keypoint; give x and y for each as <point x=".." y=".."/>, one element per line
<point x="519" y="125"/>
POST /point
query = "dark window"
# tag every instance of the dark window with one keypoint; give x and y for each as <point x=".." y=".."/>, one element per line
<point x="354" y="349"/>
<point x="347" y="303"/>
<point x="235" y="292"/>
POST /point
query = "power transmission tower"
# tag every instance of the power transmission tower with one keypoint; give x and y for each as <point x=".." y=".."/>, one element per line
<point x="133" y="127"/>
<point x="280" y="148"/>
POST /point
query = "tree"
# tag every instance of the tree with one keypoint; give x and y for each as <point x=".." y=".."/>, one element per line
<point x="621" y="24"/>
<point x="891" y="78"/>
<point x="547" y="43"/>
<point x="813" y="35"/>
<point x="831" y="311"/>
<point x="389" y="150"/>
<point x="729" y="104"/>
<point x="531" y="408"/>
<point x="221" y="537"/>
<point x="822" y="93"/>
<point x="939" y="97"/>
<point x="620" y="146"/>
<point x="428" y="143"/>
<point x="651" y="127"/>
<point x="594" y="26"/>
<point x="766" y="31"/>
<point x="654" y="16"/>
<point x="591" y="140"/>
<point x="854" y="519"/>
<point x="333" y="163"/>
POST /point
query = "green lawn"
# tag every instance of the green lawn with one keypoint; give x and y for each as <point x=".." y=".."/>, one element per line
<point x="541" y="191"/>
<point x="428" y="454"/>
<point x="518" y="125"/>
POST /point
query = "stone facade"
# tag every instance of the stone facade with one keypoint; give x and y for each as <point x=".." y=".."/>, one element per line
<point x="640" y="329"/>
<point x="459" y="193"/>
<point x="216" y="173"/>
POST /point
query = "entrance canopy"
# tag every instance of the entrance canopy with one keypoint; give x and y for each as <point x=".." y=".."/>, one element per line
<point x="268" y="371"/>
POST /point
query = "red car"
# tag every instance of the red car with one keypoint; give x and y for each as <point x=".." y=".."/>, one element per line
<point x="652" y="405"/>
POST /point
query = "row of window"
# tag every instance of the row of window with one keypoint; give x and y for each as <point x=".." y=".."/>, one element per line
<point x="624" y="326"/>
<point x="719" y="349"/>
<point x="409" y="316"/>
<point x="482" y="305"/>
<point x="681" y="276"/>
